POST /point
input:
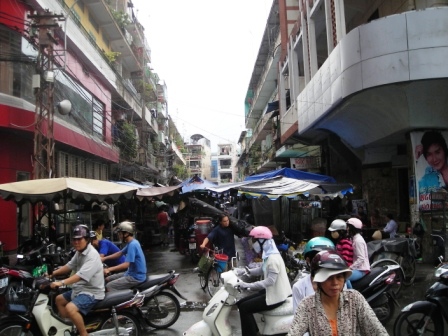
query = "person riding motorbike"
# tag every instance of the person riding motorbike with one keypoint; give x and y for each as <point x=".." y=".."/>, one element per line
<point x="105" y="248"/>
<point x="273" y="290"/>
<point x="361" y="264"/>
<point x="87" y="283"/>
<point x="305" y="286"/>
<point x="332" y="310"/>
<point x="134" y="267"/>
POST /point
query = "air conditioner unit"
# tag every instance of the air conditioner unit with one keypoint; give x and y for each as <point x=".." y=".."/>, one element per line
<point x="161" y="137"/>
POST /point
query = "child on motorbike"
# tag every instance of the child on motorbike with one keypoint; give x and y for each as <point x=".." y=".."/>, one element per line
<point x="344" y="244"/>
<point x="273" y="290"/>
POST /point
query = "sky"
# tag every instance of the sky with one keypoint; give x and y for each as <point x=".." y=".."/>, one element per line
<point x="205" y="51"/>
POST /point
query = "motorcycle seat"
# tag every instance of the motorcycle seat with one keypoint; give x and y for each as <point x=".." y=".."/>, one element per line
<point x="115" y="298"/>
<point x="367" y="279"/>
<point x="152" y="280"/>
<point x="285" y="309"/>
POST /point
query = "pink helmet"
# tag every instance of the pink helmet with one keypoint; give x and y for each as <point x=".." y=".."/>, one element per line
<point x="355" y="222"/>
<point x="261" y="232"/>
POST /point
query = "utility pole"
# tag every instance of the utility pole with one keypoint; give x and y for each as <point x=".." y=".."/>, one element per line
<point x="43" y="84"/>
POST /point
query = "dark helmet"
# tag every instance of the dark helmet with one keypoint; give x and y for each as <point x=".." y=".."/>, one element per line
<point x="92" y="235"/>
<point x="328" y="263"/>
<point x="81" y="231"/>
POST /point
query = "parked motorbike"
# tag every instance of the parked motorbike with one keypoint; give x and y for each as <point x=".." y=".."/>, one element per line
<point x="216" y="315"/>
<point x="438" y="243"/>
<point x="376" y="289"/>
<point x="392" y="251"/>
<point x="33" y="312"/>
<point x="426" y="317"/>
<point x="199" y="231"/>
<point x="161" y="309"/>
<point x="40" y="256"/>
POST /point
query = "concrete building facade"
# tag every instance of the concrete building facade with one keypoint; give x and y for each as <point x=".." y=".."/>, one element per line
<point x="357" y="79"/>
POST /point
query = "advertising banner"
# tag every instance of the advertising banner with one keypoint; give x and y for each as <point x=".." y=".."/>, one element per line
<point x="431" y="170"/>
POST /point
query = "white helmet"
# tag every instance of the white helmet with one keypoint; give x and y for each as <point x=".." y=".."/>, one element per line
<point x="338" y="224"/>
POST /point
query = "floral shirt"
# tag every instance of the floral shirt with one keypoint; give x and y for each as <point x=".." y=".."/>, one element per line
<point x="355" y="317"/>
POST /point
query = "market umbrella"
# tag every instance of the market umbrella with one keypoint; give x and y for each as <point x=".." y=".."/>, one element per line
<point x="65" y="188"/>
<point x="74" y="189"/>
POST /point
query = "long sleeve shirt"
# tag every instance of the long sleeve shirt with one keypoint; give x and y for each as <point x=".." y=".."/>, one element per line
<point x="360" y="254"/>
<point x="354" y="317"/>
<point x="391" y="228"/>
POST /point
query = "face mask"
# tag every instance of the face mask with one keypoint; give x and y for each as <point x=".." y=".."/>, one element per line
<point x="335" y="235"/>
<point x="256" y="246"/>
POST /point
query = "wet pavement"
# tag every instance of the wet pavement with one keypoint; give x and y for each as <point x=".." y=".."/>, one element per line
<point x="161" y="259"/>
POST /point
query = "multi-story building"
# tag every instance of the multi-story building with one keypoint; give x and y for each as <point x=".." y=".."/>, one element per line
<point x="351" y="83"/>
<point x="198" y="156"/>
<point x="226" y="159"/>
<point x="100" y="62"/>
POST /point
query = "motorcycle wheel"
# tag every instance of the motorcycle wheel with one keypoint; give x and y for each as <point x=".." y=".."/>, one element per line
<point x="385" y="312"/>
<point x="399" y="275"/>
<point x="411" y="323"/>
<point x="162" y="310"/>
<point x="125" y="320"/>
<point x="13" y="329"/>
<point x="213" y="280"/>
<point x="409" y="268"/>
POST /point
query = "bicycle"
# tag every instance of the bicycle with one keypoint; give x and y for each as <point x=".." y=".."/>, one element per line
<point x="212" y="264"/>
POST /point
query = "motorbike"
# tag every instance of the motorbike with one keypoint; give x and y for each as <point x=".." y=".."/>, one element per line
<point x="33" y="312"/>
<point x="426" y="317"/>
<point x="393" y="251"/>
<point x="215" y="316"/>
<point x="46" y="255"/>
<point x="161" y="308"/>
<point x="438" y="243"/>
<point x="198" y="232"/>
<point x="376" y="289"/>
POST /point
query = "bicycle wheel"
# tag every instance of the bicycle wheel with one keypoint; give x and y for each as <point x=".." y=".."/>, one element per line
<point x="14" y="329"/>
<point x="399" y="276"/>
<point x="409" y="268"/>
<point x="213" y="280"/>
<point x="162" y="310"/>
<point x="417" y="323"/>
<point x="125" y="320"/>
<point x="202" y="281"/>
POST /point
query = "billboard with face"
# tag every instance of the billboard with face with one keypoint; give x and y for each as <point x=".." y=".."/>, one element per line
<point x="431" y="168"/>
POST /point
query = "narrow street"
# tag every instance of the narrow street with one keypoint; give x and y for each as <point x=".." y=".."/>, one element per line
<point x="160" y="259"/>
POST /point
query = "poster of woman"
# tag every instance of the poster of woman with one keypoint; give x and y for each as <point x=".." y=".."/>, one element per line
<point x="431" y="167"/>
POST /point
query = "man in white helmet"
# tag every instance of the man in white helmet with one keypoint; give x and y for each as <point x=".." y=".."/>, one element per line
<point x="133" y="270"/>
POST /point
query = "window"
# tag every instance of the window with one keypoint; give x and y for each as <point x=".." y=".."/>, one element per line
<point x="87" y="111"/>
<point x="17" y="66"/>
